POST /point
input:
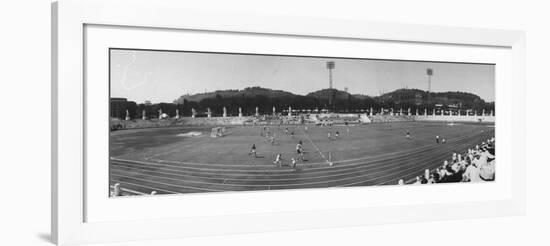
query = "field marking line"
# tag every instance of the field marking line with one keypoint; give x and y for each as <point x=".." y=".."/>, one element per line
<point x="355" y="163"/>
<point x="305" y="183"/>
<point x="393" y="165"/>
<point x="310" y="183"/>
<point x="476" y="135"/>
<point x="314" y="145"/>
<point x="381" y="130"/>
<point x="277" y="172"/>
<point x="271" y="185"/>
<point x="362" y="167"/>
<point x="314" y="163"/>
<point x="349" y="160"/>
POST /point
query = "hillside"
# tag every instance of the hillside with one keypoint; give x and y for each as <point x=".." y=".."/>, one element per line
<point x="324" y="93"/>
<point x="419" y="97"/>
<point x="246" y="92"/>
<point x="265" y="99"/>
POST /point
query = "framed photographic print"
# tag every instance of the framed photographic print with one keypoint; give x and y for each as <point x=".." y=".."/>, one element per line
<point x="233" y="138"/>
<point x="172" y="125"/>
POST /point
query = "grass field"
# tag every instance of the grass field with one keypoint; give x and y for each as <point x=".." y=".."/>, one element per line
<point x="167" y="160"/>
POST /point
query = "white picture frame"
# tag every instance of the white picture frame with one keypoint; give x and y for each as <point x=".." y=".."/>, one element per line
<point x="71" y="204"/>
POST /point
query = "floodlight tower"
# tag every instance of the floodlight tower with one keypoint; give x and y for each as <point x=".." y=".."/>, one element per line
<point x="429" y="72"/>
<point x="330" y="66"/>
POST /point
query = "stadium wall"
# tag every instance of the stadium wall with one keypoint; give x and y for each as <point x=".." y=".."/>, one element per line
<point x="390" y="118"/>
<point x="215" y="121"/>
<point x="339" y="118"/>
<point x="444" y="118"/>
<point x="184" y="121"/>
<point x="455" y="118"/>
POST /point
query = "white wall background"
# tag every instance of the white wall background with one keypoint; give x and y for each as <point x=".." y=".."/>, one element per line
<point x="25" y="136"/>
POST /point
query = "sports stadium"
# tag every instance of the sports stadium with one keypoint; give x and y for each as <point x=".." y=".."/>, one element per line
<point x="294" y="136"/>
<point x="191" y="156"/>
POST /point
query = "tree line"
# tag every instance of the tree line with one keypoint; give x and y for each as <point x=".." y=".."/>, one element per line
<point x="265" y="104"/>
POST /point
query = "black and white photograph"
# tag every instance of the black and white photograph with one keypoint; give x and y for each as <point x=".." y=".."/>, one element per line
<point x="168" y="123"/>
<point x="190" y="122"/>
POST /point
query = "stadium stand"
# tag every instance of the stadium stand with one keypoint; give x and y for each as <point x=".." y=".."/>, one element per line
<point x="118" y="124"/>
<point x="390" y="118"/>
<point x="475" y="165"/>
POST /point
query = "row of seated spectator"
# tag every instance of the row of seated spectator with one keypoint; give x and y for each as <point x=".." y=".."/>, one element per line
<point x="474" y="165"/>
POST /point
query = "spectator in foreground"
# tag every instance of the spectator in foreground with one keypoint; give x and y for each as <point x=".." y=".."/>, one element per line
<point x="487" y="171"/>
<point x="116" y="190"/>
<point x="427" y="174"/>
<point x="472" y="172"/>
<point x="474" y="165"/>
<point x="432" y="179"/>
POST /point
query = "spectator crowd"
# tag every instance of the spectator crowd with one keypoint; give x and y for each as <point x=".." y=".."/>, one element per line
<point x="473" y="165"/>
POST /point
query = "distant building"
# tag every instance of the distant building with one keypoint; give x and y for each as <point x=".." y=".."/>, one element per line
<point x="118" y="107"/>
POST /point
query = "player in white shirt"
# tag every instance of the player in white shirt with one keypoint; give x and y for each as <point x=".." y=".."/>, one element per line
<point x="278" y="160"/>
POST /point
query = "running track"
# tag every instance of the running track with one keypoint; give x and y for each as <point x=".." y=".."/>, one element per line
<point x="172" y="177"/>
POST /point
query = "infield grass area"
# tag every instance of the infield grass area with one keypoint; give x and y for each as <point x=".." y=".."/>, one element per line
<point x="178" y="160"/>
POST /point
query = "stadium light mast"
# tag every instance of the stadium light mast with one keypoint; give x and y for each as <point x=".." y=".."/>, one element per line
<point x="330" y="66"/>
<point x="429" y="72"/>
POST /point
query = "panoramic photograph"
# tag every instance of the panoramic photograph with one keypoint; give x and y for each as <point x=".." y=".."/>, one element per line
<point x="185" y="122"/>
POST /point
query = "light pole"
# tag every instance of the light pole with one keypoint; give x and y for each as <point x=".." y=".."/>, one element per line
<point x="429" y="72"/>
<point x="330" y="66"/>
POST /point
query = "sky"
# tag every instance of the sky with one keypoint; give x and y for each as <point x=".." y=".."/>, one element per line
<point x="163" y="76"/>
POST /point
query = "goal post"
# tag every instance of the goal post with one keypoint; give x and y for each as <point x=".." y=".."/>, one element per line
<point x="217" y="132"/>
